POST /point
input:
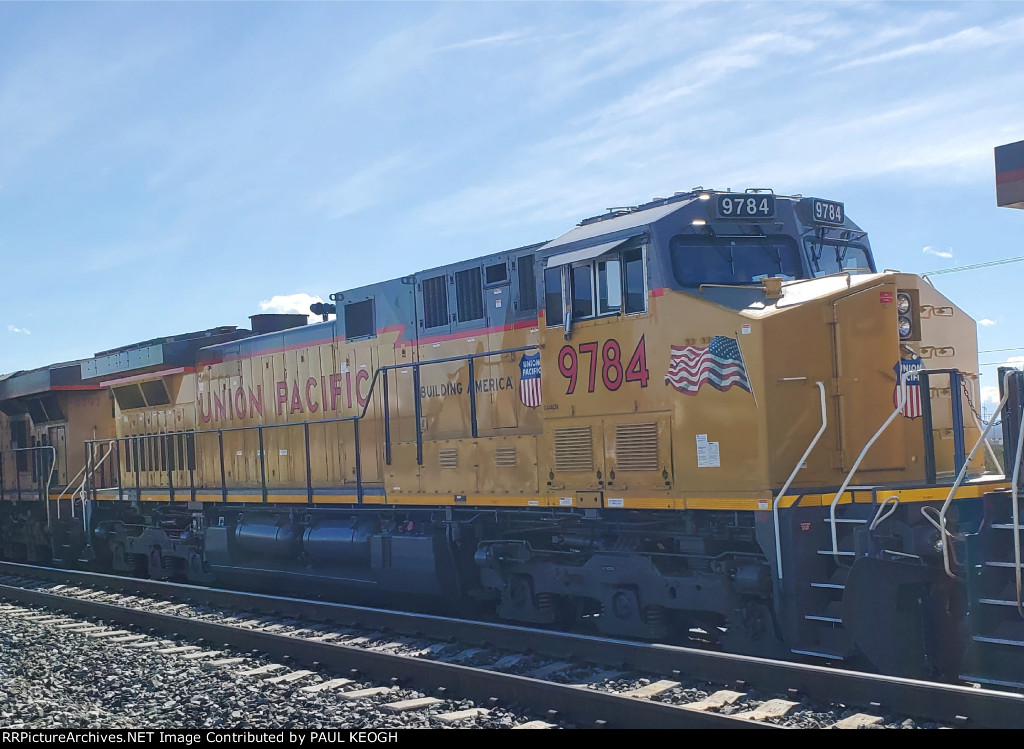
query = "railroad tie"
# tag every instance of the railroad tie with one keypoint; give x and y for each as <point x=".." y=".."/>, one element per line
<point x="461" y="715"/>
<point x="200" y="655"/>
<point x="364" y="694"/>
<point x="227" y="661"/>
<point x="288" y="678"/>
<point x="713" y="701"/>
<point x="769" y="709"/>
<point x="545" y="671"/>
<point x="417" y="703"/>
<point x="107" y="633"/>
<point x="177" y="649"/>
<point x="261" y="670"/>
<point x="858" y="720"/>
<point x="651" y="690"/>
<point x="324" y="685"/>
<point x="128" y="638"/>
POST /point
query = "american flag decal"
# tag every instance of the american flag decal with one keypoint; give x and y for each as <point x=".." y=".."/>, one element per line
<point x="529" y="380"/>
<point x="720" y="364"/>
<point x="908" y="368"/>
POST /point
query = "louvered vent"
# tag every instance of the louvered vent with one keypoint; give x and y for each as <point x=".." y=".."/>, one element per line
<point x="448" y="457"/>
<point x="636" y="447"/>
<point x="505" y="456"/>
<point x="574" y="449"/>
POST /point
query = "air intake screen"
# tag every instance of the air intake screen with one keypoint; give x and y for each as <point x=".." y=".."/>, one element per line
<point x="636" y="447"/>
<point x="574" y="449"/>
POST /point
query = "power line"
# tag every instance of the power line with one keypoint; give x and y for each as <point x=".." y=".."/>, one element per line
<point x="989" y="264"/>
<point x="994" y="350"/>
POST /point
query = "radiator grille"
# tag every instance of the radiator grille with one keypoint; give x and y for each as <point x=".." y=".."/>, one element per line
<point x="448" y="457"/>
<point x="505" y="456"/>
<point x="636" y="447"/>
<point x="574" y="449"/>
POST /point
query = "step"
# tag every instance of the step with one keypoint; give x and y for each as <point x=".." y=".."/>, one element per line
<point x="992" y="682"/>
<point x="1010" y="565"/>
<point x="858" y="521"/>
<point x="998" y="641"/>
<point x="816" y="654"/>
<point x="831" y="586"/>
<point x="1006" y="526"/>
<point x="829" y="552"/>
<point x="816" y="618"/>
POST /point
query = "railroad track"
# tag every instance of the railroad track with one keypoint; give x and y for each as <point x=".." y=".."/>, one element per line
<point x="429" y="662"/>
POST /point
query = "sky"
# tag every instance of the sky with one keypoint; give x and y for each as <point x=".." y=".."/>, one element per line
<point x="168" y="167"/>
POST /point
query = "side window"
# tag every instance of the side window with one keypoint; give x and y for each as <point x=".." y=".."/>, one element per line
<point x="435" y="301"/>
<point x="469" y="295"/>
<point x="527" y="284"/>
<point x="581" y="285"/>
<point x="359" y="320"/>
<point x="609" y="287"/>
<point x="553" y="310"/>
<point x="634" y="282"/>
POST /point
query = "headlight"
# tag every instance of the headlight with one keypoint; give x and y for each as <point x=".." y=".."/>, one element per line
<point x="902" y="303"/>
<point x="905" y="328"/>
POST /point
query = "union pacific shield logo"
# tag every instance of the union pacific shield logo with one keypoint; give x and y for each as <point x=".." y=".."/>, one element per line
<point x="529" y="380"/>
<point x="908" y="368"/>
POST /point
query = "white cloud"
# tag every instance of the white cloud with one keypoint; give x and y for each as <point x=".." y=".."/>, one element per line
<point x="23" y="331"/>
<point x="929" y="250"/>
<point x="986" y="322"/>
<point x="289" y="304"/>
<point x="990" y="395"/>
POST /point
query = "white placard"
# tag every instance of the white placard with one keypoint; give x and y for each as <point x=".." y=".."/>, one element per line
<point x="615" y="502"/>
<point x="707" y="453"/>
<point x="565" y="501"/>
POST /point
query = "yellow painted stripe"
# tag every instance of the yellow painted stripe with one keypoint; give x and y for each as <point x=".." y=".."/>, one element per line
<point x="335" y="499"/>
<point x="722" y="503"/>
<point x="245" y="498"/>
<point x="649" y="503"/>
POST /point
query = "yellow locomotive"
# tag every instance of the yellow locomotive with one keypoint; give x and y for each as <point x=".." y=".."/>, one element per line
<point x="708" y="417"/>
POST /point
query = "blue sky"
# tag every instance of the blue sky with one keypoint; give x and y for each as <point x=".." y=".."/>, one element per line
<point x="172" y="167"/>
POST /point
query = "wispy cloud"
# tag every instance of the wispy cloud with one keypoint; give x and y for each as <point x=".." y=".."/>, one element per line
<point x="23" y="331"/>
<point x="487" y="41"/>
<point x="929" y="250"/>
<point x="959" y="42"/>
<point x="363" y="188"/>
<point x="986" y="322"/>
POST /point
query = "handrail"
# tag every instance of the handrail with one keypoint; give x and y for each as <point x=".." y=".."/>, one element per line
<point x="89" y="472"/>
<point x="988" y="445"/>
<point x="963" y="473"/>
<point x="355" y="418"/>
<point x="1016" y="513"/>
<point x="799" y="463"/>
<point x="901" y="401"/>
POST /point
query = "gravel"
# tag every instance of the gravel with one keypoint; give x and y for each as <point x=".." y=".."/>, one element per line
<point x="50" y="678"/>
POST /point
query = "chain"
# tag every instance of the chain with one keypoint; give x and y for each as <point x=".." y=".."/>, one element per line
<point x="970" y="404"/>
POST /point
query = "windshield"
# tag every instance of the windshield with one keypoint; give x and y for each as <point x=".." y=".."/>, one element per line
<point x="699" y="258"/>
<point x="834" y="256"/>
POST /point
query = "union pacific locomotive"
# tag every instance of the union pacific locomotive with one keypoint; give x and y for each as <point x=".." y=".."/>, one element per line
<point x="708" y="418"/>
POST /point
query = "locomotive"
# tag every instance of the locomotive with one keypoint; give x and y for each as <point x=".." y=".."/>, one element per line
<point x="707" y="418"/>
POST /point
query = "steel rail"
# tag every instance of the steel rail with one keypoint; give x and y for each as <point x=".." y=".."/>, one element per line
<point x="578" y="705"/>
<point x="940" y="702"/>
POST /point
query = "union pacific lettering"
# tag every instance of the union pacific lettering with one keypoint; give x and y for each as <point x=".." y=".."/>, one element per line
<point x="336" y="392"/>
